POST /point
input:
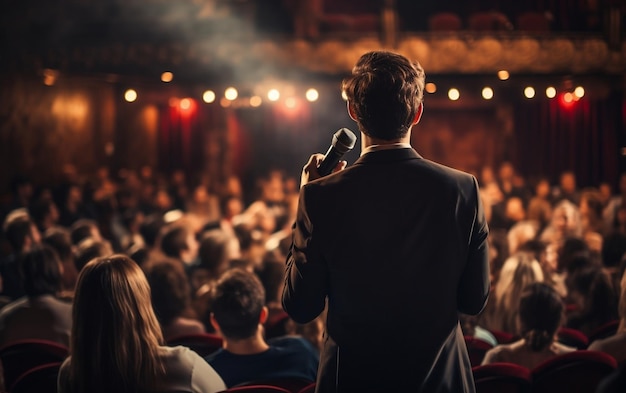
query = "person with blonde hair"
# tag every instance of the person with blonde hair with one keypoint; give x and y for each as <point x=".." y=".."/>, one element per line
<point x="117" y="344"/>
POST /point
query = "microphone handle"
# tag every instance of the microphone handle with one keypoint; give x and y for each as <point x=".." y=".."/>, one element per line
<point x="330" y="161"/>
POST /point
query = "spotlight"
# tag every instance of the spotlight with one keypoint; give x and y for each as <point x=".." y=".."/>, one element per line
<point x="130" y="95"/>
<point x="529" y="92"/>
<point x="312" y="95"/>
<point x="208" y="96"/>
<point x="487" y="93"/>
<point x="231" y="94"/>
<point x="579" y="92"/>
<point x="430" y="88"/>
<point x="454" y="94"/>
<point x="503" y="75"/>
<point x="273" y="95"/>
<point x="255" y="101"/>
<point x="167" y="77"/>
<point x="550" y="92"/>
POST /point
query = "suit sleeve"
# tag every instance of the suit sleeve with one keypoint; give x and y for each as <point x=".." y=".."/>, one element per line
<point x="473" y="287"/>
<point x="306" y="276"/>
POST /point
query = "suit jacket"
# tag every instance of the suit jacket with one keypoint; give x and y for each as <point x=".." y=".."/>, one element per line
<point x="396" y="246"/>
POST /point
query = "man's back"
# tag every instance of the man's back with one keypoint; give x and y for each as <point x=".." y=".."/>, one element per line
<point x="394" y="238"/>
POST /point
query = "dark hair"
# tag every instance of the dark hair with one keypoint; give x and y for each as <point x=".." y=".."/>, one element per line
<point x="174" y="240"/>
<point x="213" y="252"/>
<point x="171" y="293"/>
<point x="151" y="227"/>
<point x="81" y="230"/>
<point x="17" y="228"/>
<point x="40" y="269"/>
<point x="90" y="249"/>
<point x="598" y="292"/>
<point x="40" y="208"/>
<point x="385" y="91"/>
<point x="59" y="239"/>
<point x="540" y="314"/>
<point x="236" y="303"/>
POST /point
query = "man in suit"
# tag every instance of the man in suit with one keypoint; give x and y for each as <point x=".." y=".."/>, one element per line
<point x="395" y="246"/>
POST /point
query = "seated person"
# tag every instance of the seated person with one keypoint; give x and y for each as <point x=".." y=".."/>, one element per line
<point x="40" y="314"/>
<point x="540" y="316"/>
<point x="117" y="345"/>
<point x="615" y="345"/>
<point x="238" y="312"/>
<point x="171" y="299"/>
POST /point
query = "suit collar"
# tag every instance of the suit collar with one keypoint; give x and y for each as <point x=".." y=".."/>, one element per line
<point x="382" y="156"/>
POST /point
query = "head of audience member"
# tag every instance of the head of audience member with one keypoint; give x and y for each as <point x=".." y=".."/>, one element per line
<point x="113" y="296"/>
<point x="44" y="212"/>
<point x="238" y="305"/>
<point x="385" y="94"/>
<point x="567" y="182"/>
<point x="20" y="231"/>
<point x="572" y="248"/>
<point x="41" y="270"/>
<point x="178" y="241"/>
<point x="518" y="271"/>
<point x="89" y="249"/>
<point x="150" y="228"/>
<point x="22" y="189"/>
<point x="60" y="240"/>
<point x="231" y="206"/>
<point x="591" y="208"/>
<point x="215" y="253"/>
<point x="83" y="229"/>
<point x="566" y="220"/>
<point x="591" y="290"/>
<point x="171" y="294"/>
<point x="540" y="315"/>
<point x="519" y="234"/>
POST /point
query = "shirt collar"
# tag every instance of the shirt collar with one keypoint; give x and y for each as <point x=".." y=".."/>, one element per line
<point x="390" y="146"/>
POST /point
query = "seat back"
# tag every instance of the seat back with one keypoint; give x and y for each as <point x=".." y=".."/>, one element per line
<point x="476" y="349"/>
<point x="578" y="371"/>
<point x="572" y="337"/>
<point x="502" y="377"/>
<point x="604" y="331"/>
<point x="256" y="389"/>
<point x="40" y="379"/>
<point x="23" y="355"/>
<point x="203" y="344"/>
<point x="293" y="385"/>
<point x="310" y="388"/>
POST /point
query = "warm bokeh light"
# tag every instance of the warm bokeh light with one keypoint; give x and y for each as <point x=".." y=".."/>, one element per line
<point x="503" y="75"/>
<point x="208" y="96"/>
<point x="529" y="92"/>
<point x="273" y="95"/>
<point x="225" y="102"/>
<point x="454" y="94"/>
<point x="550" y="92"/>
<point x="579" y="92"/>
<point x="185" y="103"/>
<point x="290" y="102"/>
<point x="167" y="77"/>
<point x="568" y="97"/>
<point x="255" y="101"/>
<point x="231" y="93"/>
<point x="50" y="76"/>
<point x="430" y="87"/>
<point x="487" y="93"/>
<point x="312" y="95"/>
<point x="130" y="95"/>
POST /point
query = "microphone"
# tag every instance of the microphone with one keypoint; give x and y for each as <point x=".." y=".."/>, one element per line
<point x="343" y="142"/>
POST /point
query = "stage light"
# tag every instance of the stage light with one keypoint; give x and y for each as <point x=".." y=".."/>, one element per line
<point x="503" y="75"/>
<point x="568" y="97"/>
<point x="185" y="103"/>
<point x="290" y="102"/>
<point x="231" y="94"/>
<point x="550" y="92"/>
<point x="430" y="88"/>
<point x="167" y="77"/>
<point x="225" y="102"/>
<point x="174" y="102"/>
<point x="454" y="94"/>
<point x="130" y="95"/>
<point x="273" y="95"/>
<point x="208" y="96"/>
<point x="50" y="76"/>
<point x="579" y="92"/>
<point x="312" y="95"/>
<point x="529" y="92"/>
<point x="255" y="101"/>
<point x="487" y="93"/>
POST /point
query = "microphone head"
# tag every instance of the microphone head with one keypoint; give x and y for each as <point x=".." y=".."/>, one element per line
<point x="344" y="140"/>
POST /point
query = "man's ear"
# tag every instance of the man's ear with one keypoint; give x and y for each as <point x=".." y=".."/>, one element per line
<point x="265" y="312"/>
<point x="214" y="323"/>
<point x="418" y="115"/>
<point x="351" y="111"/>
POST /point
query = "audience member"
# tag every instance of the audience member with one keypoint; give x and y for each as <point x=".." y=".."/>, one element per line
<point x="566" y="189"/>
<point x="44" y="213"/>
<point x="22" y="234"/>
<point x="89" y="249"/>
<point x="610" y="212"/>
<point x="84" y="228"/>
<point x="540" y="316"/>
<point x="540" y="206"/>
<point x="59" y="239"/>
<point x="178" y="241"/>
<point x="238" y="313"/>
<point x="117" y="344"/>
<point x="40" y="314"/>
<point x="171" y="300"/>
<point x="616" y="344"/>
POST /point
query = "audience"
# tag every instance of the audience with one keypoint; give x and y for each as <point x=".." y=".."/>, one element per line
<point x="117" y="344"/>
<point x="540" y="316"/>
<point x="40" y="314"/>
<point x="238" y="313"/>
